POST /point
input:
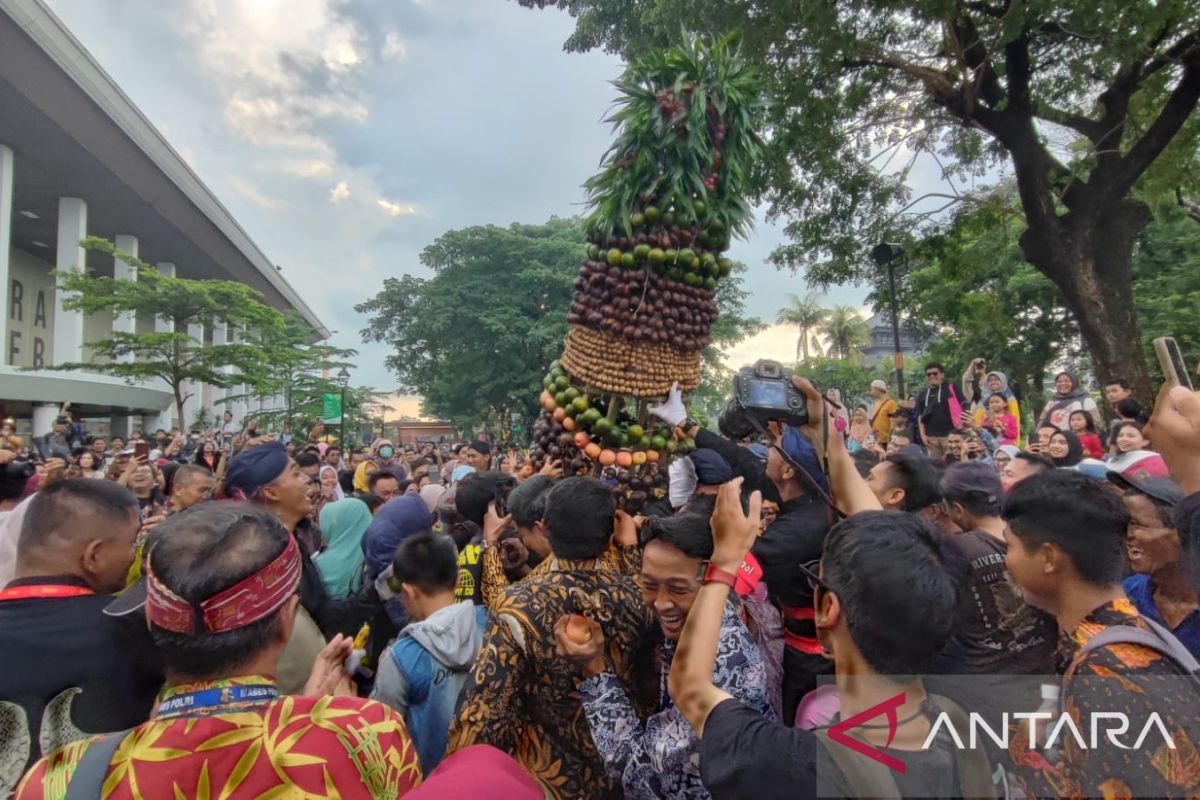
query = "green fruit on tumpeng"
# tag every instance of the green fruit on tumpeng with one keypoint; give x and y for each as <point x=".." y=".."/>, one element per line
<point x="601" y="426"/>
<point x="628" y="261"/>
<point x="560" y="398"/>
<point x="675" y="274"/>
<point x="710" y="283"/>
<point x="669" y="218"/>
<point x="699" y="208"/>
<point x="672" y="446"/>
<point x="592" y="416"/>
<point x="656" y="256"/>
<point x="618" y="437"/>
<point x="580" y="403"/>
<point x="548" y="383"/>
<point x="569" y="410"/>
<point x="686" y="255"/>
<point x="652" y="214"/>
<point x="571" y="393"/>
<point x="692" y="279"/>
<point x="561" y="383"/>
<point x="593" y="252"/>
<point x="695" y="265"/>
<point x="716" y="225"/>
<point x="709" y="259"/>
<point x="641" y="252"/>
<point x="671" y="255"/>
<point x="658" y="442"/>
<point x="724" y="266"/>
<point x="614" y="257"/>
<point x="636" y="432"/>
<point x="637" y="219"/>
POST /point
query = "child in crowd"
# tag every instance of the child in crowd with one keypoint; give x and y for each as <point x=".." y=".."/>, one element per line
<point x="1084" y="427"/>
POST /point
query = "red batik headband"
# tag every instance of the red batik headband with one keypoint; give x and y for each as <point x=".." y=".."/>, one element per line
<point x="254" y="598"/>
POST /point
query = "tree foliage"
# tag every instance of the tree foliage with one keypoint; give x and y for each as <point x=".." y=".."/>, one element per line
<point x="475" y="339"/>
<point x="1089" y="103"/>
<point x="171" y="355"/>
<point x="807" y="315"/>
<point x="846" y="331"/>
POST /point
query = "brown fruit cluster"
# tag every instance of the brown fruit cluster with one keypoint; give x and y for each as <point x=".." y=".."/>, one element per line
<point x="616" y="364"/>
<point x="641" y="306"/>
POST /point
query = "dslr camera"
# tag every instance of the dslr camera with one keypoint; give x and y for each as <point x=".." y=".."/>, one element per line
<point x="762" y="393"/>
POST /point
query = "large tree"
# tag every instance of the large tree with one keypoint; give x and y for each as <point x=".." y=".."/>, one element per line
<point x="846" y="331"/>
<point x="1089" y="104"/>
<point x="171" y="355"/>
<point x="475" y="338"/>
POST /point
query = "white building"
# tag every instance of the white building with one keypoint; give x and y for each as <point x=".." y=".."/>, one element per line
<point x="77" y="158"/>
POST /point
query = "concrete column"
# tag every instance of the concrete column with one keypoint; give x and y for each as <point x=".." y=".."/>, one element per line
<point x="6" y="214"/>
<point x="125" y="323"/>
<point x="165" y="417"/>
<point x="195" y="388"/>
<point x="220" y="337"/>
<point x="44" y="415"/>
<point x="68" y="325"/>
<point x="152" y="422"/>
<point x="122" y="425"/>
<point x="236" y="334"/>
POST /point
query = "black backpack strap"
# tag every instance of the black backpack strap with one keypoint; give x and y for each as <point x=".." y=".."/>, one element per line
<point x="88" y="779"/>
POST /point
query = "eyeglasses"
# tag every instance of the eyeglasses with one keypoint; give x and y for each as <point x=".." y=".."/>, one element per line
<point x="932" y="374"/>
<point x="814" y="580"/>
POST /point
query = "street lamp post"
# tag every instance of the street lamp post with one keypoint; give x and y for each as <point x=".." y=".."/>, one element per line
<point x="343" y="378"/>
<point x="886" y="254"/>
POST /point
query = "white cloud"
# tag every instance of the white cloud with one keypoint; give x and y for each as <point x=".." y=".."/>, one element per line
<point x="339" y="193"/>
<point x="394" y="48"/>
<point x="308" y="169"/>
<point x="254" y="195"/>
<point x="395" y="209"/>
<point x="776" y="342"/>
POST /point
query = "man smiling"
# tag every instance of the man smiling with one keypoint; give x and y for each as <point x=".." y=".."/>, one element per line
<point x="660" y="758"/>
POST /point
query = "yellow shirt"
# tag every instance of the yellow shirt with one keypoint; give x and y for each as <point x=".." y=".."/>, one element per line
<point x="882" y="421"/>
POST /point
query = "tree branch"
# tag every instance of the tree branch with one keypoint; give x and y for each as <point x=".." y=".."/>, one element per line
<point x="1084" y="126"/>
<point x="1174" y="114"/>
<point x="1190" y="207"/>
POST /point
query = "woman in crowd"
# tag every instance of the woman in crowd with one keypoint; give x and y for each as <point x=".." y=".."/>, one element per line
<point x="343" y="524"/>
<point x="1064" y="449"/>
<point x="1003" y="455"/>
<point x="999" y="420"/>
<point x="1161" y="586"/>
<point x="208" y="455"/>
<point x="1133" y="454"/>
<point x="1069" y="396"/>
<point x="142" y="479"/>
<point x="860" y="435"/>
<point x="88" y="465"/>
<point x="1085" y="428"/>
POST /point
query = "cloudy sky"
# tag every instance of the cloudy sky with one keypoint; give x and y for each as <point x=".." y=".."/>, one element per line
<point x="346" y="135"/>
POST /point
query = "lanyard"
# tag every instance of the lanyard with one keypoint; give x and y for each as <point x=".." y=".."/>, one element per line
<point x="43" y="590"/>
<point x="208" y="701"/>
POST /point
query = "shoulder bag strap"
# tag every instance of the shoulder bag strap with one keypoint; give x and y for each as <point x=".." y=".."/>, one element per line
<point x="88" y="779"/>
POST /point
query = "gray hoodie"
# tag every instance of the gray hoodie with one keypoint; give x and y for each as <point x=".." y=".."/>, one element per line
<point x="422" y="673"/>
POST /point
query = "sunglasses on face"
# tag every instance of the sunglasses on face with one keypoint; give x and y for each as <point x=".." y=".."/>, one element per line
<point x="933" y="374"/>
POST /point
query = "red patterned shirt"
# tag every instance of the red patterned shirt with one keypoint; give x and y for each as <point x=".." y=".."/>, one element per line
<point x="319" y="747"/>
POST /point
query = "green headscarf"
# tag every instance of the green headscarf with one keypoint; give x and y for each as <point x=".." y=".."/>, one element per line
<point x="343" y="524"/>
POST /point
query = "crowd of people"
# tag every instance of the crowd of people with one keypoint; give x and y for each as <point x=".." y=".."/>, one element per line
<point x="238" y="614"/>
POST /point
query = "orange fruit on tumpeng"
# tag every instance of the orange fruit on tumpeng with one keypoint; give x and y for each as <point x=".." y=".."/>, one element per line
<point x="560" y="414"/>
<point x="651" y="456"/>
<point x="568" y="423"/>
<point x="624" y="459"/>
<point x="607" y="458"/>
<point x="639" y="458"/>
<point x="582" y="440"/>
<point x="592" y="451"/>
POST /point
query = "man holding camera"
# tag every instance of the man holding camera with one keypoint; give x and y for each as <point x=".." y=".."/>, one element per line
<point x="794" y="474"/>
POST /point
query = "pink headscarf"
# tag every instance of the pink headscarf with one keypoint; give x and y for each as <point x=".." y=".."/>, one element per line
<point x="475" y="772"/>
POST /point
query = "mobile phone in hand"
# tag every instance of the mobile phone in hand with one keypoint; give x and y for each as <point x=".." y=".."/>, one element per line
<point x="141" y="450"/>
<point x="1170" y="360"/>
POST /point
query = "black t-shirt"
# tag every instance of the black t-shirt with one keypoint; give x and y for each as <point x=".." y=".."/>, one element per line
<point x="999" y="632"/>
<point x="933" y="407"/>
<point x="743" y="755"/>
<point x="70" y="668"/>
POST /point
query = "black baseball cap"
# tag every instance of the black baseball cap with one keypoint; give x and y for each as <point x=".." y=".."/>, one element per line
<point x="1164" y="490"/>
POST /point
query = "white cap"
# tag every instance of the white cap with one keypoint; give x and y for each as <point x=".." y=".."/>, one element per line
<point x="880" y="385"/>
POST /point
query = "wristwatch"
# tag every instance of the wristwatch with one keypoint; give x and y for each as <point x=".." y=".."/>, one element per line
<point x="711" y="573"/>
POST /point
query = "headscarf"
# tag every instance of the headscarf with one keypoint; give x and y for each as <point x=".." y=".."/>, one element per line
<point x="1074" y="450"/>
<point x="431" y="494"/>
<point x="397" y="519"/>
<point x="361" y="476"/>
<point x="1076" y="391"/>
<point x="1009" y="450"/>
<point x="478" y="771"/>
<point x="338" y="494"/>
<point x="986" y="389"/>
<point x="461" y="472"/>
<point x="343" y="525"/>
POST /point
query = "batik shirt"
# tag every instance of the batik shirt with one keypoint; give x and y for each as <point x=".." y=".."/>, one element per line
<point x="616" y="558"/>
<point x="1124" y="678"/>
<point x="522" y="697"/>
<point x="659" y="759"/>
<point x="312" y="747"/>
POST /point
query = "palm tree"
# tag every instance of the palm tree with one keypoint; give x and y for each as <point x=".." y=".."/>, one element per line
<point x="807" y="315"/>
<point x="845" y="330"/>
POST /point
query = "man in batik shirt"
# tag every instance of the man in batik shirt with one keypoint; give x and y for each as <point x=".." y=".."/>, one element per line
<point x="220" y="597"/>
<point x="660" y="758"/>
<point x="522" y="697"/>
<point x="1066" y="535"/>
